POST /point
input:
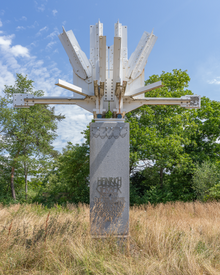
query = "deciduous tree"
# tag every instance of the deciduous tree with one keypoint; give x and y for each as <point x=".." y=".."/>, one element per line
<point x="171" y="139"/>
<point x="27" y="133"/>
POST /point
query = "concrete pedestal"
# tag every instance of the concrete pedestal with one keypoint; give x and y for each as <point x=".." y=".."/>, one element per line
<point x="109" y="178"/>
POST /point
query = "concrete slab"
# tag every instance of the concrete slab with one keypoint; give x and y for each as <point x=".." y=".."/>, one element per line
<point x="109" y="178"/>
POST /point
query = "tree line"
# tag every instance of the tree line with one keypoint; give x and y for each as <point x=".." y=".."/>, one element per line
<point x="174" y="152"/>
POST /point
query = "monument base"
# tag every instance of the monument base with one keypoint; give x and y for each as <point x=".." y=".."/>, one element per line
<point x="109" y="178"/>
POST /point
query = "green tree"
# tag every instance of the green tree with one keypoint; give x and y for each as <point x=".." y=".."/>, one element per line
<point x="27" y="133"/>
<point x="74" y="171"/>
<point x="69" y="178"/>
<point x="204" y="145"/>
<point x="205" y="177"/>
<point x="170" y="140"/>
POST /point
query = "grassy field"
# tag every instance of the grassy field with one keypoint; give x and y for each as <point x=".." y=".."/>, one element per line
<point x="175" y="238"/>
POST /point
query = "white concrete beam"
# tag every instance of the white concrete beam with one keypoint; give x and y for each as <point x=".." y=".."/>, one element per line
<point x="144" y="89"/>
<point x="78" y="60"/>
<point x="102" y="58"/>
<point x="73" y="88"/>
<point x="188" y="101"/>
<point x="138" y="59"/>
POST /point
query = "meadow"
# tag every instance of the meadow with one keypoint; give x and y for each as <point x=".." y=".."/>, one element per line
<point x="172" y="238"/>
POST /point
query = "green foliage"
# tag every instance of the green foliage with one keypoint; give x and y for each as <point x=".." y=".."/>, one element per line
<point x="144" y="188"/>
<point x="4" y="175"/>
<point x="157" y="132"/>
<point x="69" y="178"/>
<point x="167" y="141"/>
<point x="159" y="135"/>
<point x="203" y="142"/>
<point x="108" y="114"/>
<point x="205" y="180"/>
<point x="214" y="193"/>
<point x="27" y="135"/>
<point x="154" y="195"/>
<point x="74" y="171"/>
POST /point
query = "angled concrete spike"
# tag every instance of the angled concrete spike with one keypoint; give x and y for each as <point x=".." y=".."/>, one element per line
<point x="145" y="89"/>
<point x="118" y="29"/>
<point x="79" y="61"/>
<point x="121" y="31"/>
<point x="102" y="58"/>
<point x="95" y="31"/>
<point x="138" y="59"/>
<point x="117" y="64"/>
<point x="71" y="87"/>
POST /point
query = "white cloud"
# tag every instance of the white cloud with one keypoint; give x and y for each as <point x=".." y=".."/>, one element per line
<point x="33" y="26"/>
<point x="34" y="44"/>
<point x="23" y="18"/>
<point x="41" y="30"/>
<point x="71" y="127"/>
<point x="206" y="78"/>
<point x="9" y="65"/>
<point x="39" y="8"/>
<point x="17" y="50"/>
<point x="49" y="45"/>
<point x="215" y="81"/>
<point x="20" y="28"/>
<point x="53" y="34"/>
<point x="6" y="40"/>
<point x="54" y="12"/>
<point x="20" y="50"/>
<point x="6" y="77"/>
<point x="0" y="23"/>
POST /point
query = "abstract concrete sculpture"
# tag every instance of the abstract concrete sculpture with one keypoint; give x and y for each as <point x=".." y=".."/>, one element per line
<point x="108" y="81"/>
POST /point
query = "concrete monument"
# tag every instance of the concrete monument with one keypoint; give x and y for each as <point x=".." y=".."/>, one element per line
<point x="109" y="177"/>
<point x="108" y="81"/>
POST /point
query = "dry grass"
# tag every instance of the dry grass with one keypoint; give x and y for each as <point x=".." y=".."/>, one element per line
<point x="178" y="238"/>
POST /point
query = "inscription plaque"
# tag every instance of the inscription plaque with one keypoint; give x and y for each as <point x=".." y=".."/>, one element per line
<point x="109" y="205"/>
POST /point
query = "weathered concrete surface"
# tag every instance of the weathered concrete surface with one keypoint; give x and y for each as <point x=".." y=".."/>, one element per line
<point x="109" y="178"/>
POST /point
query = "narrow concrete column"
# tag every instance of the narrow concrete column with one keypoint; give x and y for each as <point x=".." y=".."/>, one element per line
<point x="109" y="178"/>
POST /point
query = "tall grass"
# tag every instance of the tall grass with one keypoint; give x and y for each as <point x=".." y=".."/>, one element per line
<point x="175" y="238"/>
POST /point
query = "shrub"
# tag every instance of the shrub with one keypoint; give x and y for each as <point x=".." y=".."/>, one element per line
<point x="205" y="177"/>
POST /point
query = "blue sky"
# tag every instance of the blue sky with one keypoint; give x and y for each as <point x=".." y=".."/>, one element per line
<point x="188" y="38"/>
